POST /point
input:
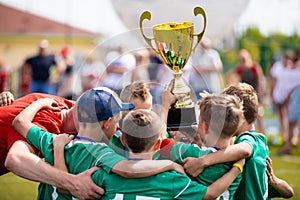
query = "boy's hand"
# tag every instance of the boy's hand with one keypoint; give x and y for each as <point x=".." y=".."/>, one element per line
<point x="270" y="173"/>
<point x="48" y="103"/>
<point x="178" y="168"/>
<point x="193" y="166"/>
<point x="60" y="141"/>
<point x="168" y="98"/>
<point x="241" y="162"/>
<point x="6" y="98"/>
<point x="84" y="186"/>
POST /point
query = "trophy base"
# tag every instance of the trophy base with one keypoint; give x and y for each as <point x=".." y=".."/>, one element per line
<point x="179" y="118"/>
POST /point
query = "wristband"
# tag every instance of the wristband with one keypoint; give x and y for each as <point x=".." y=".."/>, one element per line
<point x="239" y="166"/>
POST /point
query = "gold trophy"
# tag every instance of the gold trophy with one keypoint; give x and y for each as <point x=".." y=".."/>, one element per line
<point x="174" y="42"/>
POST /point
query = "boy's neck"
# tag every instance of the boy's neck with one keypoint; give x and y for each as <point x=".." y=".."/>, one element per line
<point x="245" y="127"/>
<point x="90" y="133"/>
<point x="222" y="143"/>
<point x="68" y="121"/>
<point x="142" y="156"/>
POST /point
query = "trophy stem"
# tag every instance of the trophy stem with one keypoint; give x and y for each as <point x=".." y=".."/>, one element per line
<point x="181" y="89"/>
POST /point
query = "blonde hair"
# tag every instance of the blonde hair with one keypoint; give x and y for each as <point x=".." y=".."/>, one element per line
<point x="217" y="107"/>
<point x="134" y="90"/>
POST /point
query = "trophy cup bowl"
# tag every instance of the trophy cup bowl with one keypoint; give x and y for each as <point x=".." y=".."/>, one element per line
<point x="174" y="43"/>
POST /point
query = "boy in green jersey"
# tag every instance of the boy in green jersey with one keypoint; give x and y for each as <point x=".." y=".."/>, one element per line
<point x="142" y="133"/>
<point x="250" y="145"/>
<point x="138" y="94"/>
<point x="98" y="111"/>
<point x="219" y="119"/>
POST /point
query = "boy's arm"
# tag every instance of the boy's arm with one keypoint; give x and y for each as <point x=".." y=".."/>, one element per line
<point x="220" y="185"/>
<point x="194" y="166"/>
<point x="23" y="162"/>
<point x="23" y="121"/>
<point x="281" y="186"/>
<point x="59" y="143"/>
<point x="20" y="159"/>
<point x="145" y="168"/>
<point x="125" y="168"/>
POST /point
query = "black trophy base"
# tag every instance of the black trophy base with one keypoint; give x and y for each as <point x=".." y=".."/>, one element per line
<point x="179" y="118"/>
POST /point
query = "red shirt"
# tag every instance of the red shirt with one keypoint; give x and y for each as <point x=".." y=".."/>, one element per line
<point x="46" y="119"/>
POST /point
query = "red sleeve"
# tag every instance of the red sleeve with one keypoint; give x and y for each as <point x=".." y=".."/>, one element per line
<point x="15" y="136"/>
<point x="166" y="147"/>
<point x="50" y="120"/>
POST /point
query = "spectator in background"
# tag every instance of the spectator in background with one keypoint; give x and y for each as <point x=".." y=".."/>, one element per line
<point x="154" y="65"/>
<point x="293" y="120"/>
<point x="284" y="79"/>
<point x="140" y="72"/>
<point x="4" y="77"/>
<point x="39" y="66"/>
<point x="206" y="68"/>
<point x="249" y="71"/>
<point x="293" y="113"/>
<point x="65" y="84"/>
<point x="91" y="73"/>
<point x="155" y="62"/>
<point x="118" y="63"/>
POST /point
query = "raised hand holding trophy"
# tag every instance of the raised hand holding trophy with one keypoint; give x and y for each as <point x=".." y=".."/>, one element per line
<point x="174" y="42"/>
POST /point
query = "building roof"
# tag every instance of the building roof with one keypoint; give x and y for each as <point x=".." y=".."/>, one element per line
<point x="14" y="21"/>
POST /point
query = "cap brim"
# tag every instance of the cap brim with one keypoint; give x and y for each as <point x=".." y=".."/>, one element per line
<point x="127" y="106"/>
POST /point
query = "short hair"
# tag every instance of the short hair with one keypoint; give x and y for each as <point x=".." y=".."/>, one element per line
<point x="215" y="108"/>
<point x="137" y="89"/>
<point x="249" y="97"/>
<point x="140" y="130"/>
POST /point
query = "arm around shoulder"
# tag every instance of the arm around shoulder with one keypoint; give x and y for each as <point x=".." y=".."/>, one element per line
<point x="23" y="121"/>
<point x="220" y="185"/>
<point x="194" y="166"/>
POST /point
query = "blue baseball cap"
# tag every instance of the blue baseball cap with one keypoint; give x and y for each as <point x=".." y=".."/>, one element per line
<point x="100" y="104"/>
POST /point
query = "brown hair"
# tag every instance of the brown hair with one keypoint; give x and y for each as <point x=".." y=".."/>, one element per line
<point x="249" y="97"/>
<point x="141" y="129"/>
<point x="218" y="108"/>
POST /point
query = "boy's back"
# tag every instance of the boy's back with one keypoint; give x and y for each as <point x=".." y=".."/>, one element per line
<point x="166" y="185"/>
<point x="79" y="157"/>
<point x="254" y="184"/>
<point x="180" y="151"/>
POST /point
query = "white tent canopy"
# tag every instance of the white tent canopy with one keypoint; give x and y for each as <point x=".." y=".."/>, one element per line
<point x="221" y="15"/>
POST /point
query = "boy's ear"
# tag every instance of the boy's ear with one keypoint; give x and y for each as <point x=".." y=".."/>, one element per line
<point x="157" y="144"/>
<point x="205" y="127"/>
<point x="105" y="123"/>
<point x="122" y="140"/>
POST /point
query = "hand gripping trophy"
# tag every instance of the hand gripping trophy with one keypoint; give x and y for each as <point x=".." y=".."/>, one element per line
<point x="174" y="42"/>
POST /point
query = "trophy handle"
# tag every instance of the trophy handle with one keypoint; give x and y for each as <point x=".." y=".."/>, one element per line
<point x="146" y="15"/>
<point x="199" y="10"/>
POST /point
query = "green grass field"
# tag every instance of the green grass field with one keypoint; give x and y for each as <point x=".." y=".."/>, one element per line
<point x="286" y="167"/>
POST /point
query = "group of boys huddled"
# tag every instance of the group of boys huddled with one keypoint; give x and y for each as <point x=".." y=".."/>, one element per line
<point x="139" y="158"/>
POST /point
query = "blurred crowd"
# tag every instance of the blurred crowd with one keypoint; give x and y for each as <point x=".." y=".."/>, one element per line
<point x="61" y="74"/>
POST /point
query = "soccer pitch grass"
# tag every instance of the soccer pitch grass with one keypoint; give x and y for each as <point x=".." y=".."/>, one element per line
<point x="285" y="167"/>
